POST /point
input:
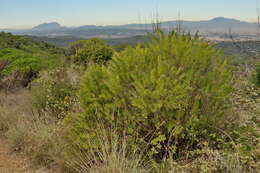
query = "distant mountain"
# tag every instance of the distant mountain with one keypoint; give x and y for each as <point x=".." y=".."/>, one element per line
<point x="48" y="26"/>
<point x="219" y="25"/>
<point x="88" y="27"/>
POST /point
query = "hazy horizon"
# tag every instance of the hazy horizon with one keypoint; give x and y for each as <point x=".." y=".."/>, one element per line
<point x="25" y="14"/>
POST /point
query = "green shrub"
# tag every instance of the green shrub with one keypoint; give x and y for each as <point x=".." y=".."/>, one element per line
<point x="76" y="45"/>
<point x="54" y="93"/>
<point x="169" y="93"/>
<point x="258" y="74"/>
<point x="93" y="50"/>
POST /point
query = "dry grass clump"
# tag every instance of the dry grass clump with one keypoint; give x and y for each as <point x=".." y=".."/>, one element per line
<point x="112" y="156"/>
<point x="15" y="108"/>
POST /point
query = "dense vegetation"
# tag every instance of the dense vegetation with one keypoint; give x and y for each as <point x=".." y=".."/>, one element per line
<point x="54" y="93"/>
<point x="258" y="74"/>
<point x="22" y="58"/>
<point x="159" y="90"/>
<point x="94" y="50"/>
<point x="65" y="41"/>
<point x="173" y="104"/>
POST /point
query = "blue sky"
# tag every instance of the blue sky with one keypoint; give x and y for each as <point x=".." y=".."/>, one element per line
<point x="28" y="13"/>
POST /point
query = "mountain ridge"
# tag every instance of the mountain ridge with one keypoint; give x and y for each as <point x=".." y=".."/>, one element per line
<point x="47" y="26"/>
<point x="58" y="25"/>
<point x="215" y="25"/>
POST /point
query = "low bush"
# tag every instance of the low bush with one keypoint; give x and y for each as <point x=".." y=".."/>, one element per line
<point x="93" y="50"/>
<point x="171" y="94"/>
<point x="54" y="93"/>
<point x="206" y="160"/>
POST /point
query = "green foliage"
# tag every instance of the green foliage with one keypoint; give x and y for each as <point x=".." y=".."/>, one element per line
<point x="23" y="62"/>
<point x="7" y="40"/>
<point x="54" y="93"/>
<point x="93" y="50"/>
<point x="169" y="93"/>
<point x="25" y="57"/>
<point x="258" y="74"/>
